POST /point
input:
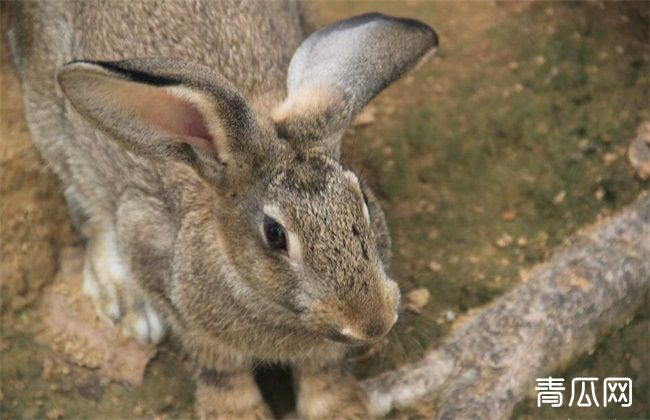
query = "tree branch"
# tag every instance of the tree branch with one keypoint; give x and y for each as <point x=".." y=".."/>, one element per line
<point x="560" y="310"/>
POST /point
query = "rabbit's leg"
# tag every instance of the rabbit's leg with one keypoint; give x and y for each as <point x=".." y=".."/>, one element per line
<point x="329" y="392"/>
<point x="229" y="395"/>
<point x="108" y="281"/>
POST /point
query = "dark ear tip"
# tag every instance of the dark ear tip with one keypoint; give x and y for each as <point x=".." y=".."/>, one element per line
<point x="421" y="27"/>
<point x="405" y="22"/>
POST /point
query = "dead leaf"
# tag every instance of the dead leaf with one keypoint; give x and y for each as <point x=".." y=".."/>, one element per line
<point x="509" y="215"/>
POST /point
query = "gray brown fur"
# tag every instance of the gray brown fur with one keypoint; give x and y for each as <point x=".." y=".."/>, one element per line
<point x="173" y="219"/>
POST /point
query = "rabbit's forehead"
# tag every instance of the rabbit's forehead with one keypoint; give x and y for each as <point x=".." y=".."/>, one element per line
<point x="317" y="188"/>
<point x="322" y="205"/>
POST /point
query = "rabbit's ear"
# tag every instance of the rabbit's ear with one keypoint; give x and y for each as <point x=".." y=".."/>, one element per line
<point x="337" y="70"/>
<point x="163" y="109"/>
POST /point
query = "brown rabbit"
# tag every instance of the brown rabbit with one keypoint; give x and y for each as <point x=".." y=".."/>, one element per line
<point x="199" y="152"/>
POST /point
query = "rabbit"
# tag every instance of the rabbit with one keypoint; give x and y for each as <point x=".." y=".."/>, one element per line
<point x="198" y="147"/>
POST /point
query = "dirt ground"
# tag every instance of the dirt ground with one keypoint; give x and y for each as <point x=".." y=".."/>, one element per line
<point x="512" y="138"/>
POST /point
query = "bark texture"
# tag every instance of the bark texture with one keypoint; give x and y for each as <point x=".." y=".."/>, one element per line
<point x="490" y="361"/>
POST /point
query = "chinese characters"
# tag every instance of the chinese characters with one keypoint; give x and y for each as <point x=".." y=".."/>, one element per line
<point x="584" y="392"/>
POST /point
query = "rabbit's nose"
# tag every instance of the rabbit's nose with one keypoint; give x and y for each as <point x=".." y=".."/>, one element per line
<point x="378" y="328"/>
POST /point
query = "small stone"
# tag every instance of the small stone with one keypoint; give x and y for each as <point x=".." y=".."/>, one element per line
<point x="366" y="117"/>
<point x="609" y="158"/>
<point x="138" y="410"/>
<point x="434" y="266"/>
<point x="600" y="194"/>
<point x="620" y="49"/>
<point x="540" y="60"/>
<point x="417" y="299"/>
<point x="504" y="240"/>
<point x="559" y="197"/>
<point x="450" y="316"/>
<point x="639" y="156"/>
<point x="473" y="259"/>
<point x="55" y="413"/>
<point x="509" y="215"/>
<point x="522" y="242"/>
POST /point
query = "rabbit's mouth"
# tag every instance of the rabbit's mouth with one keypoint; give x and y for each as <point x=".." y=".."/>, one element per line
<point x="350" y="340"/>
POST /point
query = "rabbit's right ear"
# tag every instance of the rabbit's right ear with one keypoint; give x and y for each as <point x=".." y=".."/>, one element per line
<point x="338" y="69"/>
<point x="162" y="108"/>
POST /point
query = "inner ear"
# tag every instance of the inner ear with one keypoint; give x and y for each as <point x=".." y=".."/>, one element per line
<point x="162" y="111"/>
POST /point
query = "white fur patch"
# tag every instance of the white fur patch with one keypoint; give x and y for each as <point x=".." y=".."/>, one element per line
<point x="349" y="332"/>
<point x="141" y="329"/>
<point x="351" y="177"/>
<point x="366" y="213"/>
<point x="113" y="259"/>
<point x="156" y="326"/>
<point x="90" y="287"/>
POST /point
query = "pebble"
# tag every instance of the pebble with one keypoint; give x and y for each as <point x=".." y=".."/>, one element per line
<point x="504" y="240"/>
<point x="509" y="215"/>
<point x="434" y="266"/>
<point x="55" y="413"/>
<point x="450" y="315"/>
<point x="417" y="299"/>
<point x="639" y="156"/>
<point x="559" y="197"/>
<point x="609" y="158"/>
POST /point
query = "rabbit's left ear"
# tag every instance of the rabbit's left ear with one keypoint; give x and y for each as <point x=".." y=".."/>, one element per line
<point x="337" y="70"/>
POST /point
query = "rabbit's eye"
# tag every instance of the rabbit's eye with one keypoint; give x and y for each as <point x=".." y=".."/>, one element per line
<point x="275" y="236"/>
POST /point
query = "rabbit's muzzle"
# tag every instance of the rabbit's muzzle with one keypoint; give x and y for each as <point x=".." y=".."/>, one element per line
<point x="363" y="319"/>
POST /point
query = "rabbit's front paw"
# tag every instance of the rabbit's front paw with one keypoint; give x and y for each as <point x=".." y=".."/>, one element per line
<point x="229" y="395"/>
<point x="107" y="281"/>
<point x="330" y="392"/>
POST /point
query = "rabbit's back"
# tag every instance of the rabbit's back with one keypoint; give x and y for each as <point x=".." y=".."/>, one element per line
<point x="249" y="42"/>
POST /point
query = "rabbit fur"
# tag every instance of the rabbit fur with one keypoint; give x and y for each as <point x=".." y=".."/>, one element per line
<point x="182" y="131"/>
